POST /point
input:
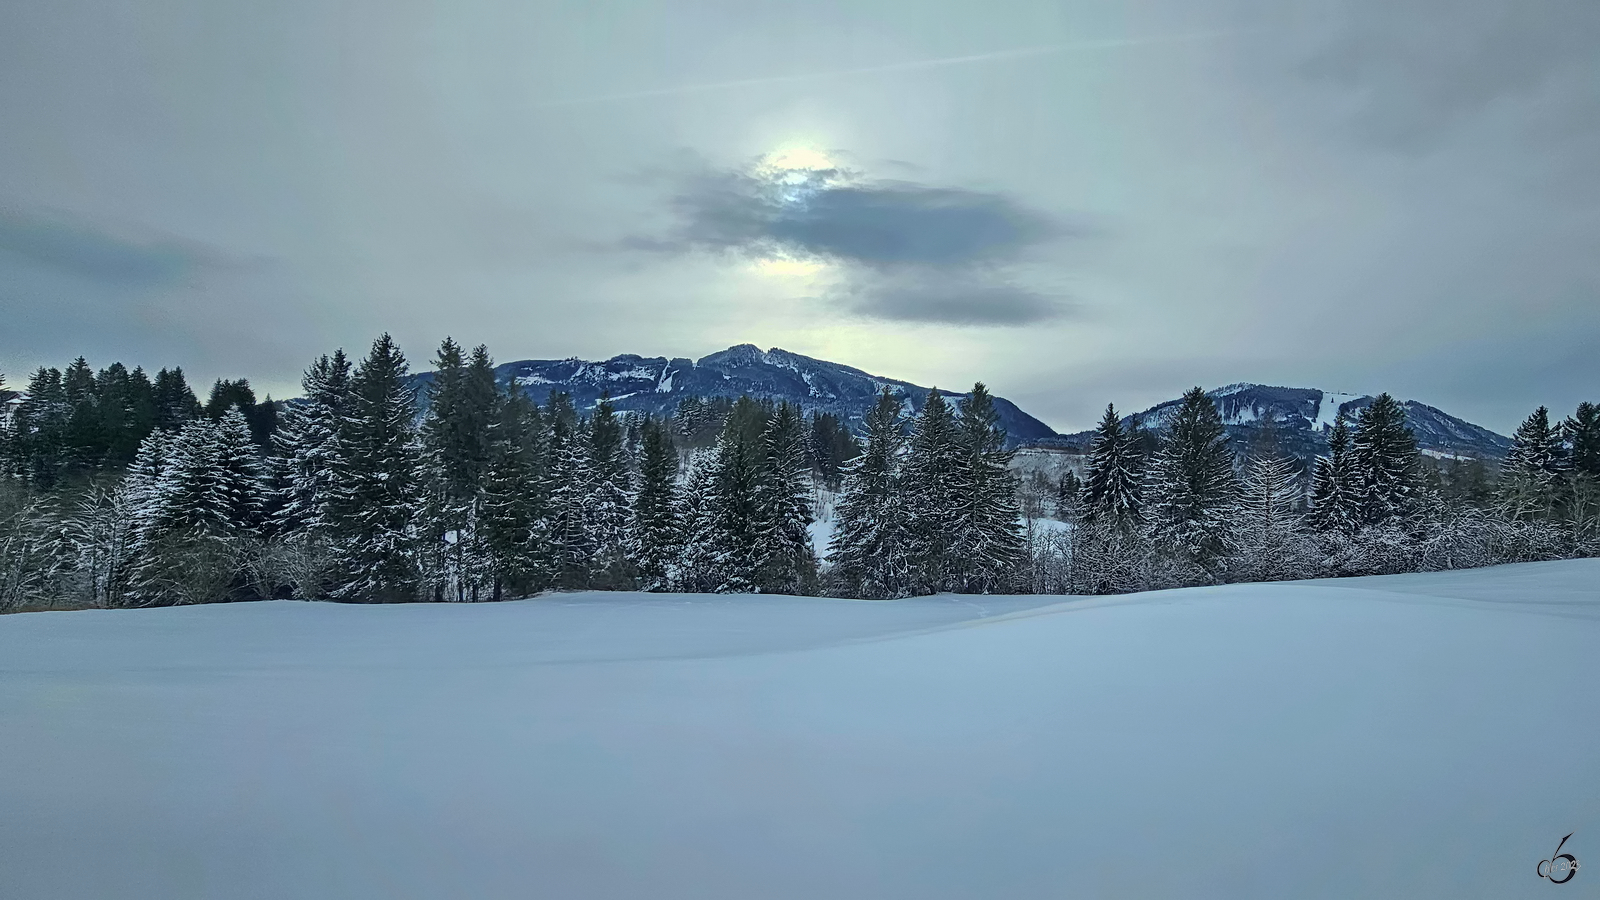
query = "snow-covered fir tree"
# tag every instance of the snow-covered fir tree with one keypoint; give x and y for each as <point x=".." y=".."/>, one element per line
<point x="1112" y="490"/>
<point x="307" y="441"/>
<point x="1335" y="485"/>
<point x="1582" y="433"/>
<point x="372" y="513"/>
<point x="1384" y="454"/>
<point x="237" y="473"/>
<point x="1191" y="488"/>
<point x="453" y="464"/>
<point x="1537" y="452"/>
<point x="571" y="548"/>
<point x="869" y="553"/>
<point x="696" y="568"/>
<point x="1266" y="525"/>
<point x="205" y="498"/>
<point x="734" y="520"/>
<point x="785" y="562"/>
<point x="988" y="545"/>
<point x="933" y="481"/>
<point x="655" y="536"/>
<point x="511" y="512"/>
<point x="608" y="500"/>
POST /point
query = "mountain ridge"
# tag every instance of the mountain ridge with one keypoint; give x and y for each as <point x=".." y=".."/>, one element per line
<point x="1298" y="417"/>
<point x="655" y="384"/>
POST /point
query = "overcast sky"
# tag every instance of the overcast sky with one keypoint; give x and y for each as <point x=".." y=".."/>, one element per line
<point x="1075" y="202"/>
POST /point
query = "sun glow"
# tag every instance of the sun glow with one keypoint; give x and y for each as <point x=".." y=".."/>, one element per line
<point x="798" y="158"/>
<point x="787" y="267"/>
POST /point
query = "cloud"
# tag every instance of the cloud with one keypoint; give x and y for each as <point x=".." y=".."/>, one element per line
<point x="909" y="251"/>
<point x="1418" y="68"/>
<point x="959" y="301"/>
<point x="91" y="253"/>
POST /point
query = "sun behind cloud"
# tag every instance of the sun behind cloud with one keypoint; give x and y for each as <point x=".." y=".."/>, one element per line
<point x="780" y="267"/>
<point x="798" y="157"/>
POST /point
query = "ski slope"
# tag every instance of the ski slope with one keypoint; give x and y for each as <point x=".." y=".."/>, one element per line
<point x="1404" y="736"/>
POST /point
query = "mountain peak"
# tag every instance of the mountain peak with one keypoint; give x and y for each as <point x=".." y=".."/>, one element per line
<point x="1301" y="417"/>
<point x="655" y="385"/>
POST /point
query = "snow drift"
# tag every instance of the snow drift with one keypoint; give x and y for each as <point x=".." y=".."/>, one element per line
<point x="1403" y="736"/>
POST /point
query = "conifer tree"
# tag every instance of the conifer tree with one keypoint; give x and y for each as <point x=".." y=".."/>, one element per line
<point x="175" y="402"/>
<point x="1335" y="491"/>
<point x="607" y="502"/>
<point x="1191" y="490"/>
<point x="237" y="473"/>
<point x="935" y="482"/>
<point x="307" y="443"/>
<point x="127" y="410"/>
<point x="1111" y="492"/>
<point x="989" y="549"/>
<point x="1534" y="469"/>
<point x="188" y="496"/>
<point x="1384" y="453"/>
<point x="455" y="441"/>
<point x="570" y="546"/>
<point x="39" y="431"/>
<point x="371" y="514"/>
<point x="1068" y="488"/>
<point x="203" y="500"/>
<point x="655" y="540"/>
<point x="1537" y="454"/>
<point x="512" y="509"/>
<point x="785" y="562"/>
<point x="735" y="522"/>
<point x="1267" y="523"/>
<point x="1582" y="431"/>
<point x="696" y="569"/>
<point x="870" y="547"/>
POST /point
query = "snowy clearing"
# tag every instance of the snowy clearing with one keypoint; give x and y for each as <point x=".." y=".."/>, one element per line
<point x="1399" y="736"/>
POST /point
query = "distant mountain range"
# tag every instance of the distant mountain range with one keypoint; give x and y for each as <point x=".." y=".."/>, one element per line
<point x="1298" y="417"/>
<point x="656" y="384"/>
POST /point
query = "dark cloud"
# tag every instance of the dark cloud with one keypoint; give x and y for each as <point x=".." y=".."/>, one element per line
<point x="958" y="301"/>
<point x="875" y="224"/>
<point x="912" y="252"/>
<point x="1417" y="68"/>
<point x="91" y="253"/>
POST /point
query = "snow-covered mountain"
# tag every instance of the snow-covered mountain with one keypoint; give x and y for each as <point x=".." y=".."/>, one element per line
<point x="1299" y="418"/>
<point x="656" y="384"/>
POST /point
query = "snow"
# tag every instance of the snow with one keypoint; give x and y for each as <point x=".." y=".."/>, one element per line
<point x="532" y="379"/>
<point x="665" y="385"/>
<point x="821" y="536"/>
<point x="1328" y="409"/>
<point x="1404" y="736"/>
<point x="1229" y="390"/>
<point x="1046" y="525"/>
<point x="1244" y="415"/>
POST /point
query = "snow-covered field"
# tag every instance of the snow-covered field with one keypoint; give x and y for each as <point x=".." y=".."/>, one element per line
<point x="1405" y="736"/>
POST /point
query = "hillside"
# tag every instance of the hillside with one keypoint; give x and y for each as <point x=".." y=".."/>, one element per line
<point x="1298" y="417"/>
<point x="1420" y="736"/>
<point x="655" y="385"/>
<point x="1298" y="420"/>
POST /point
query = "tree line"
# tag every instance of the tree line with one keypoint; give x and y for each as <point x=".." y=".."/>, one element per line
<point x="367" y="490"/>
<point x="1194" y="511"/>
<point x="126" y="491"/>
